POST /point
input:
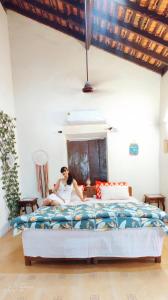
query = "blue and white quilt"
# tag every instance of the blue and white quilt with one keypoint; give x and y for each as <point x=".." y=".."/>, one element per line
<point x="93" y="216"/>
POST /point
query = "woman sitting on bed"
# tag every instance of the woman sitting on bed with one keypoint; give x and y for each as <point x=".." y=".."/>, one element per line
<point x="63" y="189"/>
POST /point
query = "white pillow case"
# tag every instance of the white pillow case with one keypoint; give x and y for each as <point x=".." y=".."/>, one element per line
<point x="115" y="192"/>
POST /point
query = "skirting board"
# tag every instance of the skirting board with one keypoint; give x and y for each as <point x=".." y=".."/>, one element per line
<point x="4" y="229"/>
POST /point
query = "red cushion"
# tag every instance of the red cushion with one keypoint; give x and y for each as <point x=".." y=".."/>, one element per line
<point x="105" y="183"/>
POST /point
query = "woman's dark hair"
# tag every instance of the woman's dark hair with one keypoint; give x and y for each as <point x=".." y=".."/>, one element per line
<point x="70" y="177"/>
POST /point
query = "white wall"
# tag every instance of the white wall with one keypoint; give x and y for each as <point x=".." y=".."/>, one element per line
<point x="49" y="73"/>
<point x="6" y="98"/>
<point x="164" y="136"/>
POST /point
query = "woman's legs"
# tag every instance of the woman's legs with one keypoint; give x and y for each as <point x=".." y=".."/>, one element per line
<point x="52" y="200"/>
<point x="46" y="202"/>
<point x="57" y="202"/>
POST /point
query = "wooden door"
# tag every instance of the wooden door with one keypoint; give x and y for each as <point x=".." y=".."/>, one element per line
<point x="78" y="161"/>
<point x="87" y="159"/>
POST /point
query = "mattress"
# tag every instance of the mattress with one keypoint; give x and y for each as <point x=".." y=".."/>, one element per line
<point x="130" y="242"/>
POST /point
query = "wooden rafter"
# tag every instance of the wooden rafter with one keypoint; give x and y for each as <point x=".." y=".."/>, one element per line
<point x="45" y="21"/>
<point x="49" y="9"/>
<point x="132" y="44"/>
<point x="78" y="20"/>
<point x="143" y="10"/>
<point x="106" y="31"/>
<point x="76" y="3"/>
<point x="114" y="21"/>
<point x="126" y="56"/>
<point x="164" y="70"/>
<point x="81" y="37"/>
<point x="130" y="4"/>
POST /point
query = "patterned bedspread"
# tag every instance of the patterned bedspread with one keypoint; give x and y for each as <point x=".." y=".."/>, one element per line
<point x="93" y="216"/>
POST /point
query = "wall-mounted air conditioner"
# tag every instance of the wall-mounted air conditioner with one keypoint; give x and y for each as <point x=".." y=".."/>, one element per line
<point x="78" y="117"/>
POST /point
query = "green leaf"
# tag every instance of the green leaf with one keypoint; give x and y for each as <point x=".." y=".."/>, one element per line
<point x="9" y="177"/>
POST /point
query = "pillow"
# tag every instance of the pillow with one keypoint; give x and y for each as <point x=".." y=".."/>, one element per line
<point x="104" y="183"/>
<point x="74" y="196"/>
<point x="98" y="191"/>
<point x="115" y="192"/>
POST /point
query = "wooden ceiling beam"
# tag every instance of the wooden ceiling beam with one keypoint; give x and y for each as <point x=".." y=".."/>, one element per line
<point x="125" y="56"/>
<point x="79" y="35"/>
<point x="143" y="10"/>
<point x="76" y="3"/>
<point x="45" y="21"/>
<point x="131" y="44"/>
<point x="164" y="70"/>
<point x="51" y="10"/>
<point x="114" y="21"/>
<point x="80" y="22"/>
<point x="106" y="17"/>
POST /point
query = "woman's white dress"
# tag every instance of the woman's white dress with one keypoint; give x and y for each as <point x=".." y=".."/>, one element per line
<point x="64" y="191"/>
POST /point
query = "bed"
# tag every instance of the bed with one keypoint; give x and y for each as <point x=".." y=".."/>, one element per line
<point x="93" y="230"/>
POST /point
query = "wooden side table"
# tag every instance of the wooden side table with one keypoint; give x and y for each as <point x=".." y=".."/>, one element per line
<point x="25" y="202"/>
<point x="90" y="191"/>
<point x="152" y="198"/>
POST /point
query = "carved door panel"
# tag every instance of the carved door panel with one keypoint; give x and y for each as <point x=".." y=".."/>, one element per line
<point x="78" y="160"/>
<point x="87" y="159"/>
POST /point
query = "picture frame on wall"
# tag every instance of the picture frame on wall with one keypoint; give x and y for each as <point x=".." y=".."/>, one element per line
<point x="133" y="149"/>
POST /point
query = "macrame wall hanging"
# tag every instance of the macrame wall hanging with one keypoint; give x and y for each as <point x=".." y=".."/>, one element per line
<point x="40" y="158"/>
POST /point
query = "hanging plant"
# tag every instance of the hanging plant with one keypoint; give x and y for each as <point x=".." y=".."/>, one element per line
<point x="9" y="165"/>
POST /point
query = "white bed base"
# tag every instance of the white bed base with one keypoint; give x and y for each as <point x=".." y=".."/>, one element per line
<point x="122" y="243"/>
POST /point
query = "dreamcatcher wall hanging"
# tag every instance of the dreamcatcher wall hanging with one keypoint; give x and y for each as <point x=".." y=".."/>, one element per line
<point x="40" y="158"/>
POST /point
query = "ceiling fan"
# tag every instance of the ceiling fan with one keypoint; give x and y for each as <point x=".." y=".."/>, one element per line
<point x="88" y="20"/>
<point x="88" y="87"/>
